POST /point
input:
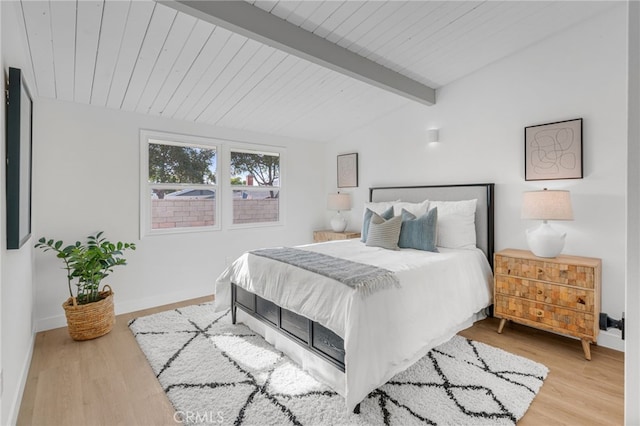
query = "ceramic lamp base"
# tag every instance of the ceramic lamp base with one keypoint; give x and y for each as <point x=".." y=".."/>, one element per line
<point x="544" y="241"/>
<point x="338" y="223"/>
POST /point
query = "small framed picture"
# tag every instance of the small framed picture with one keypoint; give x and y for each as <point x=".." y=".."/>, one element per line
<point x="553" y="151"/>
<point x="348" y="170"/>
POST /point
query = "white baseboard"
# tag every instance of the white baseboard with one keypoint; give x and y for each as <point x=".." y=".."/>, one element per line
<point x="50" y="323"/>
<point x="124" y="307"/>
<point x="22" y="382"/>
<point x="611" y="339"/>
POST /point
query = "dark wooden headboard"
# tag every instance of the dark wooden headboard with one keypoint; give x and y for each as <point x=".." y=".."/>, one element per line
<point x="483" y="192"/>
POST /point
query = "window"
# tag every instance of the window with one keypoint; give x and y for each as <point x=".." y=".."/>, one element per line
<point x="179" y="184"/>
<point x="255" y="184"/>
<point x="194" y="184"/>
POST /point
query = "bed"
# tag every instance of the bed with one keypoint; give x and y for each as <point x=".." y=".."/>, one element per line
<point x="355" y="342"/>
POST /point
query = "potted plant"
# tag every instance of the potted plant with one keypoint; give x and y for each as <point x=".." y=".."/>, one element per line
<point x="89" y="312"/>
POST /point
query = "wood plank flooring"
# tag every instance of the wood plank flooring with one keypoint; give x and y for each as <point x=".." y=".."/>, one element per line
<point x="107" y="381"/>
<point x="576" y="391"/>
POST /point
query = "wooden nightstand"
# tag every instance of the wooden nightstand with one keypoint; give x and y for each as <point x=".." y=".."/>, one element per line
<point x="322" y="236"/>
<point x="561" y="294"/>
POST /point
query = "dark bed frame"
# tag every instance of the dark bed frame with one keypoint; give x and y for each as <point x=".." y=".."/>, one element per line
<point x="324" y="342"/>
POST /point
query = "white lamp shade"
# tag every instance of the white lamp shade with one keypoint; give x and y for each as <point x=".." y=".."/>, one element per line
<point x="547" y="205"/>
<point x="544" y="241"/>
<point x="339" y="202"/>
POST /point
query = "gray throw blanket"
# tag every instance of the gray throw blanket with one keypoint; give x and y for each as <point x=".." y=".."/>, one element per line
<point x="365" y="279"/>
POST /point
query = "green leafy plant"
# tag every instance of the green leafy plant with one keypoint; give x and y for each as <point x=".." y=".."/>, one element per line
<point x="88" y="263"/>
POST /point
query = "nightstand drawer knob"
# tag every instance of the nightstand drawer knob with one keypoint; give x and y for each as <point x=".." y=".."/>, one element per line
<point x="539" y="313"/>
<point x="581" y="301"/>
<point x="540" y="291"/>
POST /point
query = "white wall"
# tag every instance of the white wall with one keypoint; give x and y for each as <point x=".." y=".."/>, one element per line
<point x="16" y="266"/>
<point x="579" y="73"/>
<point x="632" y="347"/>
<point x="2" y="203"/>
<point x="87" y="171"/>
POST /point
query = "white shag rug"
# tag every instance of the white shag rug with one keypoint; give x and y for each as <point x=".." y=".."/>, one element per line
<point x="215" y="372"/>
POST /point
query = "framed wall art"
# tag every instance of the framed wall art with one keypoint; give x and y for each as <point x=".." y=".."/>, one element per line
<point x="553" y="150"/>
<point x="348" y="170"/>
<point x="18" y="172"/>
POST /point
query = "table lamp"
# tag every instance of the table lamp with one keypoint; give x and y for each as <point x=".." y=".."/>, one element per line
<point x="545" y="241"/>
<point x="339" y="202"/>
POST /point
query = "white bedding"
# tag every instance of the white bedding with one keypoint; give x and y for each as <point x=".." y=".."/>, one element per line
<point x="386" y="332"/>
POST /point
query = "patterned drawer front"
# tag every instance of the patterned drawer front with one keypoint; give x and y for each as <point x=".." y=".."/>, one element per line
<point x="569" y="297"/>
<point x="561" y="319"/>
<point x="580" y="276"/>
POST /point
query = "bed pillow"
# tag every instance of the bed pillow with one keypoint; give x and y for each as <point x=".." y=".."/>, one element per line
<point x="379" y="207"/>
<point x="419" y="232"/>
<point x="386" y="214"/>
<point x="456" y="223"/>
<point x="416" y="209"/>
<point x="384" y="233"/>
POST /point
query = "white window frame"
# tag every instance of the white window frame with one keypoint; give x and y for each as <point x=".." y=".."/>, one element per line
<point x="149" y="136"/>
<point x="228" y="207"/>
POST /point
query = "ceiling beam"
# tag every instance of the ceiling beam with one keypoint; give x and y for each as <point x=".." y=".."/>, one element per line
<point x="252" y="22"/>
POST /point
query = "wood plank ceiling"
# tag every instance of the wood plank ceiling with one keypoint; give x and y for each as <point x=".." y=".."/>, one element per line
<point x="141" y="56"/>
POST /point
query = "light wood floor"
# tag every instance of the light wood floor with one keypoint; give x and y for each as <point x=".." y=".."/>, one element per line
<point x="108" y="381"/>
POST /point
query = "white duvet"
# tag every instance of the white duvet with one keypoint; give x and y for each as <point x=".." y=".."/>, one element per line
<point x="385" y="332"/>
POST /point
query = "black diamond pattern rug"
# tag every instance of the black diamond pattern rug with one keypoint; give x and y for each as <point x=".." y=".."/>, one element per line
<point x="215" y="372"/>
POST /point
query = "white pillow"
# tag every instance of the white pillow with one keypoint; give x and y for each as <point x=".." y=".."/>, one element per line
<point x="456" y="223"/>
<point x="416" y="209"/>
<point x="378" y="207"/>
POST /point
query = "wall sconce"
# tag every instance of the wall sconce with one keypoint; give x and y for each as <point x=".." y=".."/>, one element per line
<point x="433" y="135"/>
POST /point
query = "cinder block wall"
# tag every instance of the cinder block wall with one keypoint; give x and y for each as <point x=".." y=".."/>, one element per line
<point x="172" y="213"/>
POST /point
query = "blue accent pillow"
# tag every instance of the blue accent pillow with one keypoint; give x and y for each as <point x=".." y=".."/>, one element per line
<point x="386" y="215"/>
<point x="419" y="233"/>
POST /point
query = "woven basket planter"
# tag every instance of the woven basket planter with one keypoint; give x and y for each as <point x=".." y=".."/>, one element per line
<point x="92" y="320"/>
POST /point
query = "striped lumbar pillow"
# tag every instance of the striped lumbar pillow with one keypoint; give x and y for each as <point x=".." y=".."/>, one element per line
<point x="384" y="233"/>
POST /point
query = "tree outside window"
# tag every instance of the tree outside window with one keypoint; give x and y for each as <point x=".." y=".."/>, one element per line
<point x="255" y="179"/>
<point x="179" y="186"/>
<point x="182" y="181"/>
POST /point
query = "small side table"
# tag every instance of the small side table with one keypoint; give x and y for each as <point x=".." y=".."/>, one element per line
<point x="328" y="235"/>
<point x="560" y="294"/>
